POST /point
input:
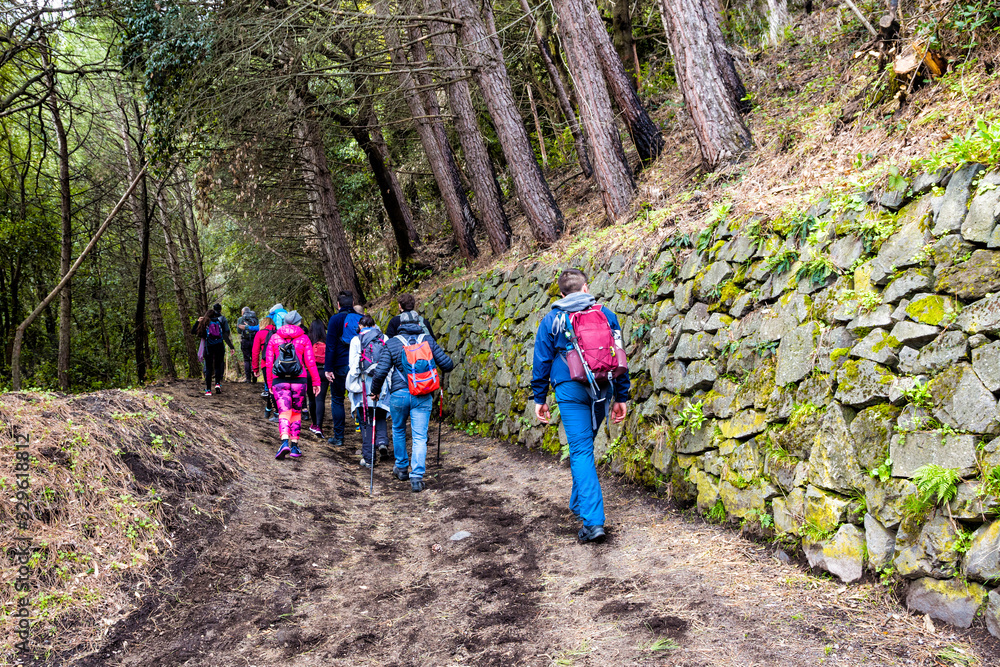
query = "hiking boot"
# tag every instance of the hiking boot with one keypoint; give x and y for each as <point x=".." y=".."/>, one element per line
<point x="400" y="474"/>
<point x="295" y="451"/>
<point x="334" y="442"/>
<point x="383" y="451"/>
<point x="274" y="419"/>
<point x="208" y="392"/>
<point x="593" y="534"/>
<point x="265" y="394"/>
<point x="417" y="485"/>
<point x="317" y="431"/>
<point x="365" y="464"/>
<point x="218" y="388"/>
<point x="283" y="450"/>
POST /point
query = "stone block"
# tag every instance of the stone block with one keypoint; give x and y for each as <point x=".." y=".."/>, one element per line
<point x="925" y="182"/>
<point x="796" y="354"/>
<point x="695" y="441"/>
<point x="944" y="351"/>
<point x="932" y="309"/>
<point x="881" y="543"/>
<point x="951" y="601"/>
<point x="712" y="279"/>
<point x="693" y="346"/>
<point x="903" y="249"/>
<point x="789" y="512"/>
<point x="837" y="341"/>
<point x="993" y="613"/>
<point x="708" y="490"/>
<point x="910" y="282"/>
<point x="962" y="401"/>
<point x="885" y="499"/>
<point x="972" y="279"/>
<point x="842" y="555"/>
<point x="862" y="383"/>
<point x="914" y="334"/>
<point x="833" y="464"/>
<point x="981" y="317"/>
<point x="701" y="375"/>
<point x="877" y="347"/>
<point x="741" y="503"/>
<point x="695" y="319"/>
<point x="909" y="451"/>
<point x="871" y="432"/>
<point x="880" y="317"/>
<point x="982" y="560"/>
<point x="719" y="401"/>
<point x="955" y="204"/>
<point x="986" y="363"/>
<point x="984" y="211"/>
<point x="743" y="424"/>
<point x="845" y="251"/>
<point x="825" y="510"/>
<point x="718" y="321"/>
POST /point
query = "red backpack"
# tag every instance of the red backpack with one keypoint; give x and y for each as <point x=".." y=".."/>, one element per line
<point x="596" y="353"/>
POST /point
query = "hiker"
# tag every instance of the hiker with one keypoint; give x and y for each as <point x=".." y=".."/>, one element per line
<point x="226" y="331"/>
<point x="367" y="349"/>
<point x="415" y="360"/>
<point x="317" y="402"/>
<point x="289" y="365"/>
<point x="277" y="314"/>
<point x="267" y="329"/>
<point x="407" y="312"/>
<point x="576" y="325"/>
<point x="248" y="327"/>
<point x="209" y="329"/>
<point x="343" y="326"/>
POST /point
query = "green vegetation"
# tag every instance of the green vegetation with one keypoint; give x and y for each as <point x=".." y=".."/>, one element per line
<point x="935" y="483"/>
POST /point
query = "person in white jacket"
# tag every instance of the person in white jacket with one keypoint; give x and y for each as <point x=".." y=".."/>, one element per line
<point x="364" y="354"/>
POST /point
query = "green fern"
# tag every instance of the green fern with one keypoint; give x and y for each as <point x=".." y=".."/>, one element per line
<point x="933" y="481"/>
<point x="781" y="262"/>
<point x="816" y="270"/>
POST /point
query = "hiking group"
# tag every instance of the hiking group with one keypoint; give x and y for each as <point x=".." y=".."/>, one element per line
<point x="394" y="376"/>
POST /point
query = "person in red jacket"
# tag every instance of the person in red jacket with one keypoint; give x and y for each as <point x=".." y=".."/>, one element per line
<point x="290" y="365"/>
<point x="317" y="402"/>
<point x="256" y="359"/>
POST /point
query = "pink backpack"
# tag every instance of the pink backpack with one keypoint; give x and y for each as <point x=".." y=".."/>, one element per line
<point x="597" y="354"/>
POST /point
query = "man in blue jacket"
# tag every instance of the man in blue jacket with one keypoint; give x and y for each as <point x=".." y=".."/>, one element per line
<point x="403" y="405"/>
<point x="581" y="413"/>
<point x="337" y="363"/>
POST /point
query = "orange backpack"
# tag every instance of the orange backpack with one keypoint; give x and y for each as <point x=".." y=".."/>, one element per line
<point x="421" y="371"/>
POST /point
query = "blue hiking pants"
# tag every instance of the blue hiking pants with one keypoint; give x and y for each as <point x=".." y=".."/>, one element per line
<point x="403" y="405"/>
<point x="586" y="499"/>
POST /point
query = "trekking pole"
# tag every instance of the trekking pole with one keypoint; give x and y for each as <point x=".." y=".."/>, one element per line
<point x="440" y="419"/>
<point x="364" y="417"/>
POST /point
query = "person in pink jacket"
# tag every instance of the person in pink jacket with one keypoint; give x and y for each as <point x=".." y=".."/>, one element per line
<point x="288" y="363"/>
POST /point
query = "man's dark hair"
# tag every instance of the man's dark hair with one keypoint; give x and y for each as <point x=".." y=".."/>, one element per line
<point x="407" y="302"/>
<point x="572" y="280"/>
<point x="346" y="299"/>
<point x="217" y="307"/>
<point x="366" y="321"/>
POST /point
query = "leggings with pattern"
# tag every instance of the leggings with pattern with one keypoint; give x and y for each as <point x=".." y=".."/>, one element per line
<point x="291" y="398"/>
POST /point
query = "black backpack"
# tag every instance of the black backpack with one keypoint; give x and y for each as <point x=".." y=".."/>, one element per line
<point x="287" y="364"/>
<point x="372" y="348"/>
<point x="250" y="327"/>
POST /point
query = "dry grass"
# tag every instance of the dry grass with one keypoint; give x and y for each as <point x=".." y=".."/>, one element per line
<point x="111" y="474"/>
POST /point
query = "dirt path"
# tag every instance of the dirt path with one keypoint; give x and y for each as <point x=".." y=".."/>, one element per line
<point x="308" y="570"/>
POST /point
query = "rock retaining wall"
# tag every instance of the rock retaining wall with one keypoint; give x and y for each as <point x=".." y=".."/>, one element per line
<point x="798" y="374"/>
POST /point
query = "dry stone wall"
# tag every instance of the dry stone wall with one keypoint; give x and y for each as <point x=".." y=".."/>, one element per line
<point x="798" y="374"/>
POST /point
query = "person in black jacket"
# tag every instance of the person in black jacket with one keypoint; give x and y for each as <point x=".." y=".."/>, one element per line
<point x="335" y="365"/>
<point x="407" y="312"/>
<point x="403" y="405"/>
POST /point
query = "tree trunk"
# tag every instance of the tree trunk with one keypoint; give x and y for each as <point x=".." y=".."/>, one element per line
<point x="693" y="29"/>
<point x="159" y="331"/>
<point x="338" y="267"/>
<point x="378" y="140"/>
<point x="180" y="293"/>
<point x="538" y="128"/>
<point x="441" y="159"/>
<point x="140" y="209"/>
<point x="66" y="219"/>
<point x="611" y="170"/>
<point x="489" y="199"/>
<point x="487" y="62"/>
<point x="192" y="246"/>
<point x="621" y="37"/>
<point x="569" y="113"/>
<point x="645" y="135"/>
<point x="777" y="19"/>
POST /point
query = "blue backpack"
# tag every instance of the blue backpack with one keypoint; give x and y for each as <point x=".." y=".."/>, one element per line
<point x="351" y="323"/>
